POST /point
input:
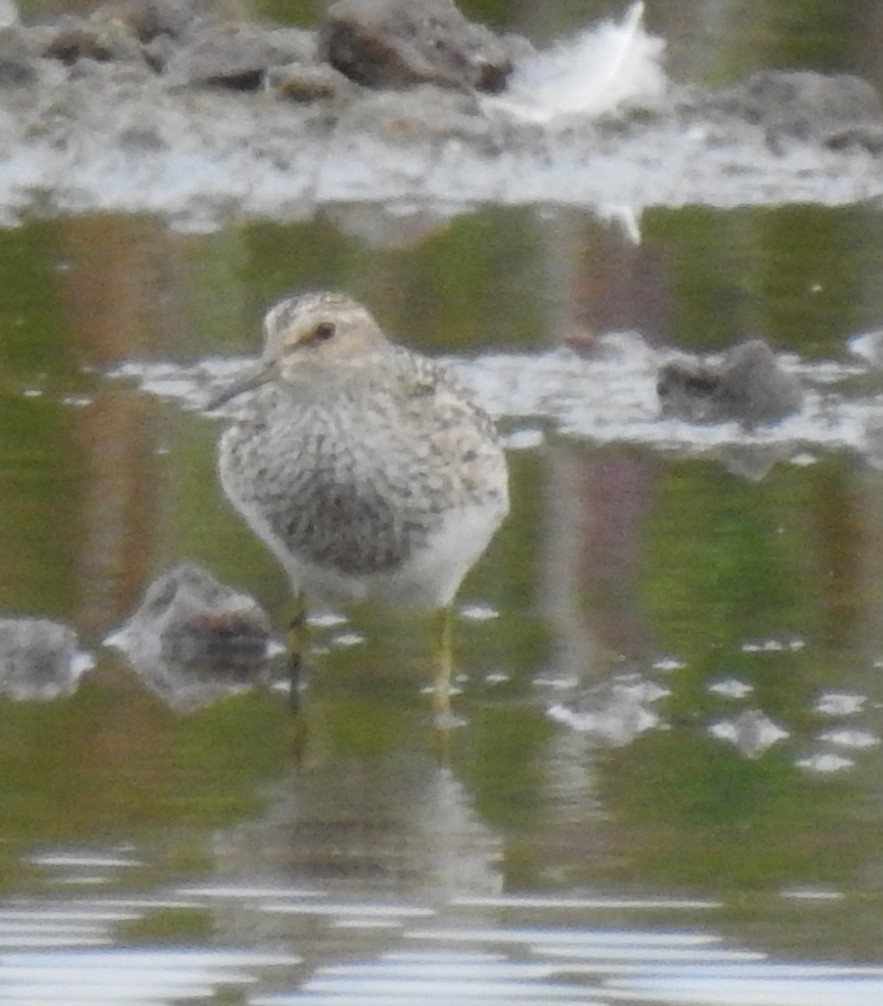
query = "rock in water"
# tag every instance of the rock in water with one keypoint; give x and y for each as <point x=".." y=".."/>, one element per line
<point x="194" y="640"/>
<point x="189" y="617"/>
<point x="400" y="43"/>
<point x="750" y="387"/>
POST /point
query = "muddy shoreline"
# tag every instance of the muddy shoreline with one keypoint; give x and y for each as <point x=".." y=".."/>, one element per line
<point x="251" y="123"/>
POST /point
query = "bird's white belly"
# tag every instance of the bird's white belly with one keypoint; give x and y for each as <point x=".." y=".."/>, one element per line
<point x="428" y="579"/>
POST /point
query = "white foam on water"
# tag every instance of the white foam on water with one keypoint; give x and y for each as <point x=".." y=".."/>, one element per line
<point x="731" y="688"/>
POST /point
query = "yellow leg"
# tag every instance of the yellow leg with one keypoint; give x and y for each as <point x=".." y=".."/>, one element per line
<point x="444" y="665"/>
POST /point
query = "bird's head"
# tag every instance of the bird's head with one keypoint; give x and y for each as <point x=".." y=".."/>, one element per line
<point x="308" y="331"/>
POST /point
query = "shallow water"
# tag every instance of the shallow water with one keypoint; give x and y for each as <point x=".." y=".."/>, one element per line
<point x="664" y="781"/>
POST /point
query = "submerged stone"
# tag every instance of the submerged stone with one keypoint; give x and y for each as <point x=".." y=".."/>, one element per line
<point x="195" y="618"/>
<point x="750" y="387"/>
<point x="193" y="639"/>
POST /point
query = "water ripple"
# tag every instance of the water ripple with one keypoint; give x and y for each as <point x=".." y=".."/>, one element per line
<point x="488" y="949"/>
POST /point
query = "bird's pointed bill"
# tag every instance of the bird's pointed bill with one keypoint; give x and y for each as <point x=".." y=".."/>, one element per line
<point x="264" y="371"/>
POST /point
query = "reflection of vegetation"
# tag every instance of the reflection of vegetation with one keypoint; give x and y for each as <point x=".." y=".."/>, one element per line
<point x="204" y="527"/>
<point x="37" y="463"/>
<point x="694" y="814"/>
<point x="501" y="759"/>
<point x="742" y="37"/>
<point x="467" y="284"/>
<point x="507" y="578"/>
<point x="800" y="276"/>
<point x="111" y="764"/>
<point x="729" y="563"/>
<point x="728" y="555"/>
<point x="37" y="471"/>
<point x="186" y="926"/>
<point x="29" y="310"/>
<point x="813" y="34"/>
<point x="749" y="561"/>
<point x="301" y="12"/>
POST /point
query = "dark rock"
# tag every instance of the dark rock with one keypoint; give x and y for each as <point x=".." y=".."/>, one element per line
<point x="869" y="136"/>
<point x="749" y="386"/>
<point x="39" y="659"/>
<point x="686" y="391"/>
<point x="399" y="43"/>
<point x="193" y="639"/>
<point x="159" y="52"/>
<point x="238" y="57"/>
<point x="194" y="616"/>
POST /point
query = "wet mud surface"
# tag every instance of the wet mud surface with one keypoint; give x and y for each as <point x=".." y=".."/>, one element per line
<point x="204" y="121"/>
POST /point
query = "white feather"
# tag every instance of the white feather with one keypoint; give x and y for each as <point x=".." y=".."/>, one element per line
<point x="599" y="70"/>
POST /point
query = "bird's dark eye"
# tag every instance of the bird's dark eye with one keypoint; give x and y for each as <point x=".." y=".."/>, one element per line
<point x="324" y="331"/>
